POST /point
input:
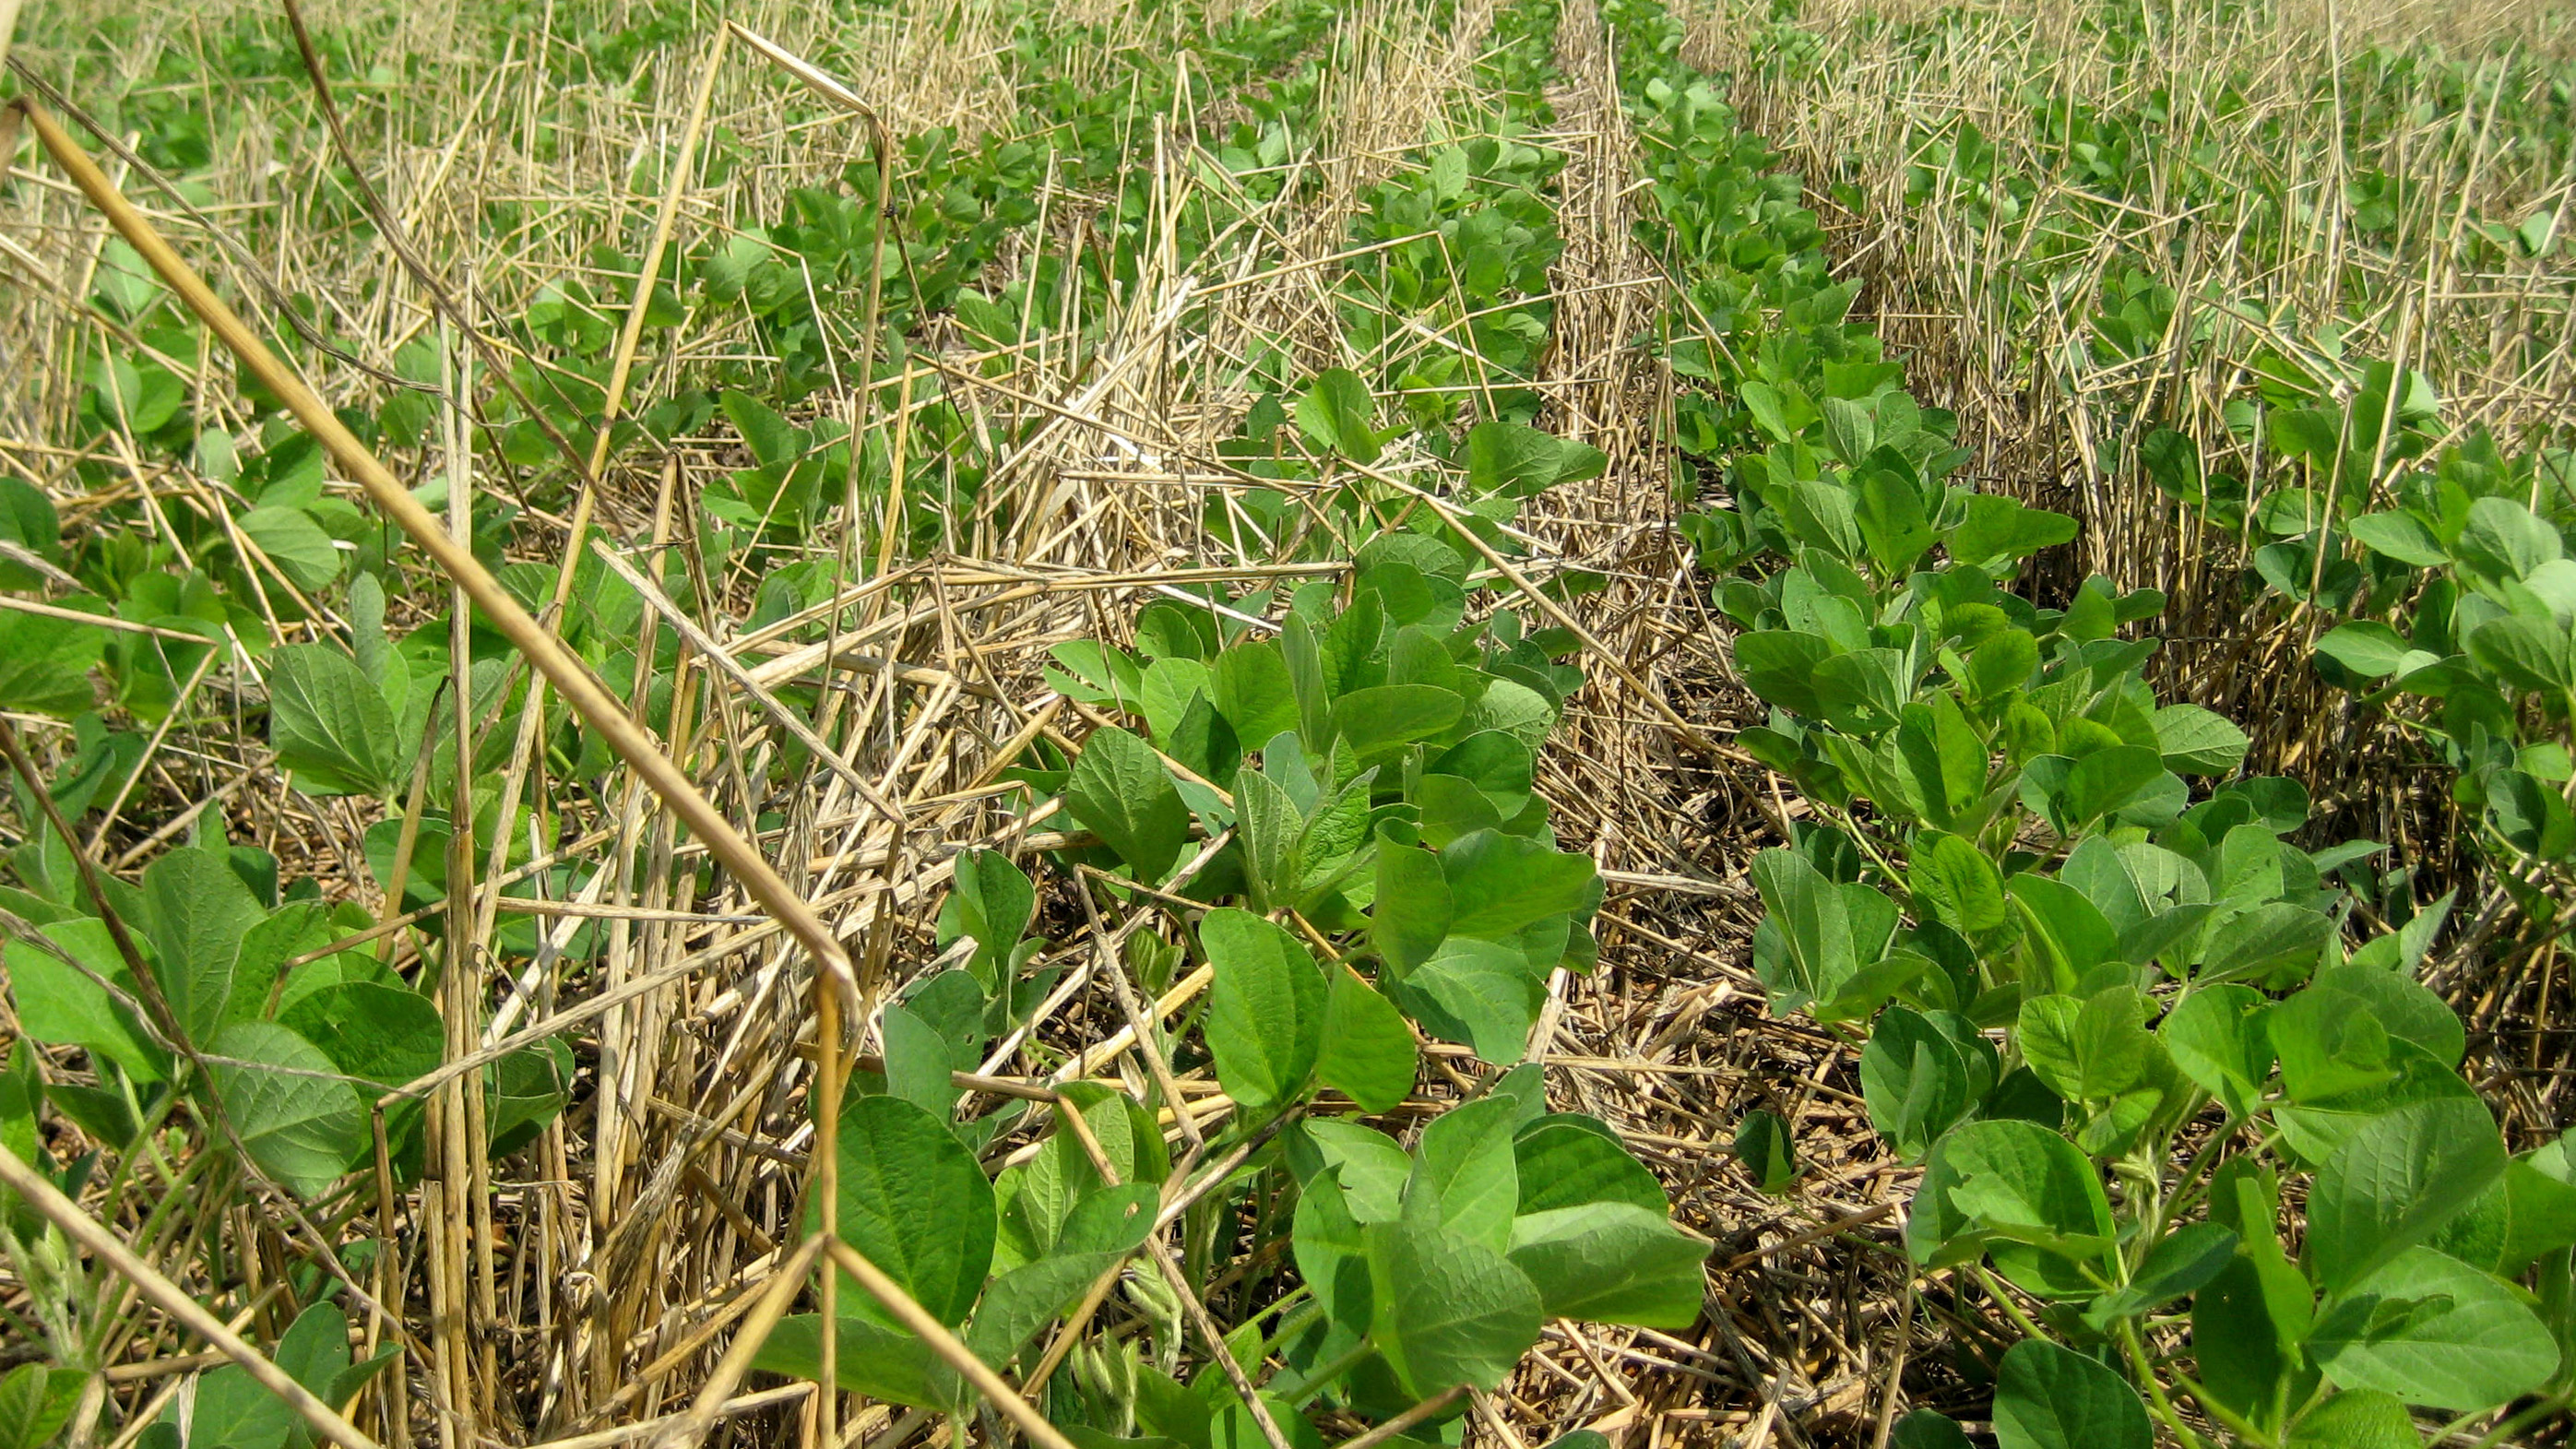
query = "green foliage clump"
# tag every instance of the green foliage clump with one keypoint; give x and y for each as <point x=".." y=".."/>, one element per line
<point x="2120" y="1026"/>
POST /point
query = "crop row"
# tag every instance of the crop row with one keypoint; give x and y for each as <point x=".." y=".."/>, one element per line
<point x="2218" y="1165"/>
<point x="1320" y="835"/>
<point x="2312" y="364"/>
<point x="1327" y="823"/>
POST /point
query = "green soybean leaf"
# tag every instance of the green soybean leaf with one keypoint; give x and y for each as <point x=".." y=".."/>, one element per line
<point x="2507" y="539"/>
<point x="2401" y="1005"/>
<point x="2236" y="1335"/>
<point x="1957" y="885"/>
<point x="1328" y="847"/>
<point x="37" y="1400"/>
<point x="1372" y="1168"/>
<point x="2007" y="1180"/>
<point x="2366" y="647"/>
<point x="2105" y="780"/>
<point x="2215" y="1037"/>
<point x="1095" y="673"/>
<point x="1468" y="1166"/>
<point x="1499" y="765"/>
<point x="2196" y="741"/>
<point x="869" y="1358"/>
<point x="2357" y="1419"/>
<point x="1450" y="1311"/>
<point x="1914" y="1080"/>
<point x="1110" y="1220"/>
<point x="2532" y="1211"/>
<point x="1763" y="1145"/>
<point x="1120" y="792"/>
<point x="1233" y="1427"/>
<point x="1265" y="1009"/>
<point x="1368" y="1054"/>
<point x="314" y="1350"/>
<point x="2076" y="934"/>
<point x="2181" y="1262"/>
<point x="62" y="1005"/>
<point x="330" y="725"/>
<point x="1254" y="692"/>
<point x="772" y="439"/>
<point x="1819" y="512"/>
<point x="1337" y="414"/>
<point x="993" y="902"/>
<point x="917" y="1062"/>
<point x="1388" y="716"/>
<point x="1850" y="428"/>
<point x="2047" y="1397"/>
<point x="1780" y="666"/>
<point x="2087" y="1050"/>
<point x="2526" y="653"/>
<point x="385" y="1036"/>
<point x="1269" y="826"/>
<point x="1413" y="907"/>
<point x="1925" y="1429"/>
<point x="1998" y="530"/>
<point x="2315" y="1128"/>
<point x="45" y="663"/>
<point x="1769" y="412"/>
<point x="1892" y="524"/>
<point x="1332" y="1252"/>
<point x="1876" y="680"/>
<point x="196" y="911"/>
<point x="1500" y="883"/>
<point x="235" y="1411"/>
<point x="1520" y="461"/>
<point x="2002" y="663"/>
<point x="2434" y="1331"/>
<point x="1814" y="921"/>
<point x="295" y="543"/>
<point x="1612" y="1262"/>
<point x="1045" y="1204"/>
<point x="28" y="517"/>
<point x="2531" y="815"/>
<point x="2396" y="1180"/>
<point x="523" y="1091"/>
<point x="1027" y="1298"/>
<point x="1566" y="1161"/>
<point x="300" y="1123"/>
<point x="2251" y="945"/>
<point x="1479" y="992"/>
<point x="2399" y="535"/>
<point x="915" y="1202"/>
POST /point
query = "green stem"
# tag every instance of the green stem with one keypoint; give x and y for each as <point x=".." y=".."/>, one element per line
<point x="2554" y="1404"/>
<point x="1996" y="1289"/>
<point x="2188" y="1190"/>
<point x="2162" y="1406"/>
<point x="2254" y="1435"/>
<point x="1321" y="1377"/>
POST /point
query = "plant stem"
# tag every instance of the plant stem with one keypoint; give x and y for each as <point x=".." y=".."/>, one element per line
<point x="2237" y="1424"/>
<point x="2136" y="1352"/>
<point x="2002" y="1295"/>
<point x="1322" y="1376"/>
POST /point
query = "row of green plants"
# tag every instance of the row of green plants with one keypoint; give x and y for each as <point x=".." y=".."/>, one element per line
<point x="2436" y="575"/>
<point x="372" y="717"/>
<point x="1368" y="758"/>
<point x="2181" y="1117"/>
<point x="230" y="1043"/>
<point x="1331" y="809"/>
<point x="2344" y="477"/>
